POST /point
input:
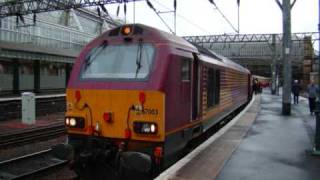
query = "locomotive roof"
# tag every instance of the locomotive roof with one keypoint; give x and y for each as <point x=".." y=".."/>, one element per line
<point x="155" y="34"/>
<point x="230" y="63"/>
<point x="204" y="51"/>
<point x="165" y="37"/>
<point x="218" y="57"/>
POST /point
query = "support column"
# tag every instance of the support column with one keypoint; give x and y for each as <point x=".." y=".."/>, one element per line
<point x="16" y="77"/>
<point x="286" y="48"/>
<point x="274" y="66"/>
<point x="0" y="28"/>
<point x="277" y="75"/>
<point x="36" y="75"/>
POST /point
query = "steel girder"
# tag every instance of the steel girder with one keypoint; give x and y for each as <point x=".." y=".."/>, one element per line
<point x="23" y="7"/>
<point x="243" y="38"/>
<point x="237" y="46"/>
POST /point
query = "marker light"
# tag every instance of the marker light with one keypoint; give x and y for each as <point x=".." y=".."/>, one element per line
<point x="157" y="152"/>
<point x="145" y="128"/>
<point x="107" y="117"/>
<point x="67" y="121"/>
<point x="126" y="30"/>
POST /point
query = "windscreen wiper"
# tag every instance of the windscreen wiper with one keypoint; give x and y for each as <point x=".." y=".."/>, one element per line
<point x="139" y="57"/>
<point x="93" y="53"/>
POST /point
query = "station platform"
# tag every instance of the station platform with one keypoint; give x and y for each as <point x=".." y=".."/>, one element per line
<point x="259" y="143"/>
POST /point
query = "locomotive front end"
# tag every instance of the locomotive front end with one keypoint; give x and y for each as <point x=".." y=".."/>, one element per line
<point x="115" y="110"/>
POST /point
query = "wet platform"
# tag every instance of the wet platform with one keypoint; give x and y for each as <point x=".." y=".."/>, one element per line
<point x="258" y="144"/>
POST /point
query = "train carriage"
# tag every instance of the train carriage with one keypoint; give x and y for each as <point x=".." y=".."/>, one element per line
<point x="138" y="95"/>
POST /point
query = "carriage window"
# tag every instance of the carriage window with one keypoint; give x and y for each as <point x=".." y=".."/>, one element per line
<point x="185" y="69"/>
<point x="213" y="87"/>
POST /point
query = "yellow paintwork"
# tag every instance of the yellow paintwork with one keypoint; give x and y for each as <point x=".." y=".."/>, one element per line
<point x="118" y="103"/>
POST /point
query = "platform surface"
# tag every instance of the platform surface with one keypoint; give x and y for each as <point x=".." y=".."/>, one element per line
<point x="262" y="144"/>
<point x="276" y="146"/>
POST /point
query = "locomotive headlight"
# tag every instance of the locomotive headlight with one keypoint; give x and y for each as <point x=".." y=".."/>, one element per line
<point x="153" y="128"/>
<point x="67" y="121"/>
<point x="75" y="122"/>
<point x="145" y="127"/>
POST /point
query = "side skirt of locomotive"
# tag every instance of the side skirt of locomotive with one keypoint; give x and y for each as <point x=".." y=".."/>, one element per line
<point x="176" y="142"/>
<point x="223" y="116"/>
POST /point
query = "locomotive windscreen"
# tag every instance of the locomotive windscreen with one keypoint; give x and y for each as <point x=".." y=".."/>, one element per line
<point x="123" y="61"/>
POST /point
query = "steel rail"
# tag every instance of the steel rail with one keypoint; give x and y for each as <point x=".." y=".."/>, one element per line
<point x="7" y="166"/>
<point x="24" y="157"/>
<point x="31" y="135"/>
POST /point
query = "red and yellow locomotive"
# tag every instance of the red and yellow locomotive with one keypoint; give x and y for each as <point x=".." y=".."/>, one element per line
<point x="137" y="95"/>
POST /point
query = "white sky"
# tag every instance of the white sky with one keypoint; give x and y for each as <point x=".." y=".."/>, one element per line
<point x="198" y="17"/>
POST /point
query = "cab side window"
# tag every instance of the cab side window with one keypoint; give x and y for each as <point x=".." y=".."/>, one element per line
<point x="185" y="69"/>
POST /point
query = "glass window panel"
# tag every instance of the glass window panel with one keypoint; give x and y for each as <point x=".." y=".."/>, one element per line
<point x="185" y="69"/>
<point x="128" y="61"/>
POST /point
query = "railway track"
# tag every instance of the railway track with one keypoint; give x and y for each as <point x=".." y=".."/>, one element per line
<point x="30" y="166"/>
<point x="21" y="137"/>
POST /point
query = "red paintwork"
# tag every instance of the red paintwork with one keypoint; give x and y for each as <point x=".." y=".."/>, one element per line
<point x="178" y="98"/>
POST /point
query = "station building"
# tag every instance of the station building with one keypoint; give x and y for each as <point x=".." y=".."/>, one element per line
<point x="37" y="51"/>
